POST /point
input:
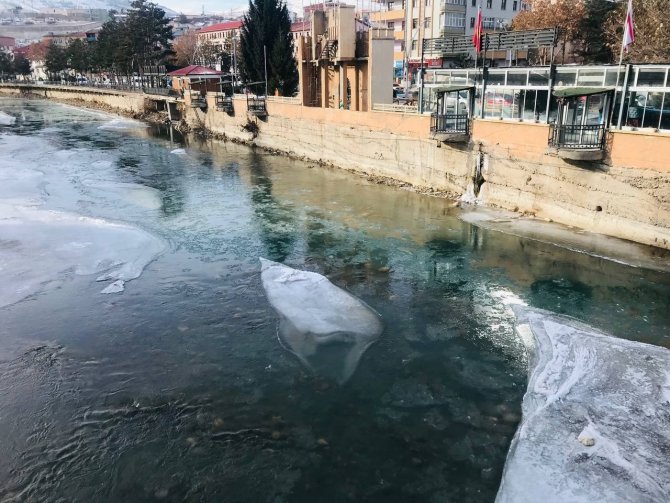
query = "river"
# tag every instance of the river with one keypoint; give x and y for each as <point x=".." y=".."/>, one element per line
<point x="176" y="387"/>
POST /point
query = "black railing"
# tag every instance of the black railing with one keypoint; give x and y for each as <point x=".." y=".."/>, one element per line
<point x="256" y="106"/>
<point x="450" y="123"/>
<point x="578" y="137"/>
<point x="224" y="103"/>
<point x="198" y="100"/>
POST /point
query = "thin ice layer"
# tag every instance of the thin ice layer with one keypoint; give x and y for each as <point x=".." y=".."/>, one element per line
<point x="39" y="248"/>
<point x="596" y="417"/>
<point x="326" y="327"/>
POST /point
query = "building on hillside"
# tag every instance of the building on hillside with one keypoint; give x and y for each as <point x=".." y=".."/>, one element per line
<point x="224" y="35"/>
<point x="64" y="39"/>
<point x="343" y="63"/>
<point x="7" y="44"/>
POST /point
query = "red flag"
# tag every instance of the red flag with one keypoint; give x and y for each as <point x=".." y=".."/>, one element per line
<point x="477" y="35"/>
<point x="629" y="28"/>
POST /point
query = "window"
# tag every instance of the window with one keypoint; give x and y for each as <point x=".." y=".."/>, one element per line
<point x="414" y="45"/>
<point x="489" y="23"/>
<point x="472" y="22"/>
<point x="426" y="23"/>
<point x="390" y="5"/>
<point x="415" y="23"/>
<point x="454" y="20"/>
<point x="514" y="5"/>
<point x="489" y="4"/>
<point x="391" y="25"/>
<point x="402" y="25"/>
<point x="503" y="4"/>
<point x="474" y="3"/>
<point x="427" y="3"/>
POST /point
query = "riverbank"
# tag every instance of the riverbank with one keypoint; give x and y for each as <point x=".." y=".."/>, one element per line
<point x="506" y="165"/>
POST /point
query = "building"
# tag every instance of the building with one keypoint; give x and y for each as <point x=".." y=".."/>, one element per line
<point x="7" y="44"/>
<point x="496" y="14"/>
<point x="343" y="63"/>
<point x="224" y="35"/>
<point x="391" y="15"/>
<point x="196" y="79"/>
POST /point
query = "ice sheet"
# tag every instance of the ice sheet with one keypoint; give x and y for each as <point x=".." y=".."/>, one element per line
<point x="596" y="417"/>
<point x="6" y="119"/>
<point x="40" y="248"/>
<point x="326" y="327"/>
<point x="123" y="124"/>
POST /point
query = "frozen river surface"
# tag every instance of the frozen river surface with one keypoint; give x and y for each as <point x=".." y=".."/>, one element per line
<point x="140" y="357"/>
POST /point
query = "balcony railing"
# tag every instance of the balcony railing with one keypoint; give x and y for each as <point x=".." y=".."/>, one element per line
<point x="224" y="103"/>
<point x="198" y="100"/>
<point x="578" y="137"/>
<point x="450" y="123"/>
<point x="256" y="106"/>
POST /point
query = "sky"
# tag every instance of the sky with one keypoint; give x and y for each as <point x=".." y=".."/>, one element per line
<point x="219" y="6"/>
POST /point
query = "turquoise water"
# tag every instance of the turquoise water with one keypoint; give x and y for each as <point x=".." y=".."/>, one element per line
<point x="177" y="389"/>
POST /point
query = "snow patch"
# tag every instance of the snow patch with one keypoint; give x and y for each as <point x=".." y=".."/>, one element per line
<point x="178" y="151"/>
<point x="123" y="124"/>
<point x="116" y="287"/>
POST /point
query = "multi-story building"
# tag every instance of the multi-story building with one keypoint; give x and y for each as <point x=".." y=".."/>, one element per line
<point x="496" y="14"/>
<point x="415" y="20"/>
<point x="7" y="44"/>
<point x="224" y="35"/>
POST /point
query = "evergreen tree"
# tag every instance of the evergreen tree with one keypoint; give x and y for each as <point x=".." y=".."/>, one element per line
<point x="78" y="55"/>
<point x="56" y="59"/>
<point x="22" y="66"/>
<point x="267" y="25"/>
<point x="147" y="34"/>
<point x="5" y="65"/>
<point x="595" y="48"/>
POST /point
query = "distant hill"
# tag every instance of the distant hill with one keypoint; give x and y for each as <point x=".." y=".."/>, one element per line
<point x="30" y="7"/>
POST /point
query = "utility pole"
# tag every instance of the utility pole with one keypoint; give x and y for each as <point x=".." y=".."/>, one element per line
<point x="265" y="61"/>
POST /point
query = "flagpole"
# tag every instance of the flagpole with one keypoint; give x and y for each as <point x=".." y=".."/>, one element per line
<point x="616" y="88"/>
<point x="627" y="39"/>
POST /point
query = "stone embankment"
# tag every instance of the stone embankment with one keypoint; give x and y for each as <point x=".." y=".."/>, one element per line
<point x="505" y="164"/>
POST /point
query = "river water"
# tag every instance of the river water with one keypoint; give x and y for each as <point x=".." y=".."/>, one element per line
<point x="178" y="389"/>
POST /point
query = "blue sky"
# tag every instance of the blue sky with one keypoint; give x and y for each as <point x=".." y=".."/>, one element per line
<point x="218" y="6"/>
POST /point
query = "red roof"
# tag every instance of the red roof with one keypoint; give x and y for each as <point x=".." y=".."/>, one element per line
<point x="228" y="25"/>
<point x="301" y="26"/>
<point x="194" y="70"/>
<point x="7" y="41"/>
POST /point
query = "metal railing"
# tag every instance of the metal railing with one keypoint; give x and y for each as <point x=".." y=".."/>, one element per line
<point x="256" y="105"/>
<point x="198" y="100"/>
<point x="224" y="103"/>
<point x="450" y="123"/>
<point x="578" y="137"/>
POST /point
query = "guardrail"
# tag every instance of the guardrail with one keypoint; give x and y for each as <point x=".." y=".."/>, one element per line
<point x="284" y="99"/>
<point x="387" y="107"/>
<point x="578" y="137"/>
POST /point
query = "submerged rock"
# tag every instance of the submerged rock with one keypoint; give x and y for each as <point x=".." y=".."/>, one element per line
<point x="596" y="417"/>
<point x="326" y="327"/>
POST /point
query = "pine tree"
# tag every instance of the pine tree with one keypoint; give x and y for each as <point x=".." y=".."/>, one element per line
<point x="267" y="26"/>
<point x="595" y="48"/>
<point x="56" y="60"/>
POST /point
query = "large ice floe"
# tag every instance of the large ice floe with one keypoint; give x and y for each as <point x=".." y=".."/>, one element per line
<point x="596" y="417"/>
<point x="327" y="328"/>
<point x="39" y="248"/>
<point x="6" y="119"/>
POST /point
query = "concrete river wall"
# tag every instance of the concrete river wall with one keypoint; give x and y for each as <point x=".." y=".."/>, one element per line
<point x="627" y="195"/>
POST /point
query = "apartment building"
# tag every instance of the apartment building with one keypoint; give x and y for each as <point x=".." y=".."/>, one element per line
<point x="496" y="14"/>
<point x="224" y="35"/>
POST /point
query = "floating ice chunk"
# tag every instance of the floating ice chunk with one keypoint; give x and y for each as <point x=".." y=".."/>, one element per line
<point x="178" y="151"/>
<point x="39" y="248"/>
<point x="596" y="420"/>
<point x="326" y="327"/>
<point x="123" y="124"/>
<point x="6" y="119"/>
<point x="133" y="193"/>
<point x="116" y="287"/>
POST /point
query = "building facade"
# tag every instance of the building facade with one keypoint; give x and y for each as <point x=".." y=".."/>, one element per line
<point x="224" y="35"/>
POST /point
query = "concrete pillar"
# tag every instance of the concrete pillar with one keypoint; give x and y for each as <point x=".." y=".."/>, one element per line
<point x="323" y="76"/>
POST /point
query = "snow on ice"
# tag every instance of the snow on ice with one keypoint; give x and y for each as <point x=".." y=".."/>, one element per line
<point x="327" y="328"/>
<point x="596" y="417"/>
